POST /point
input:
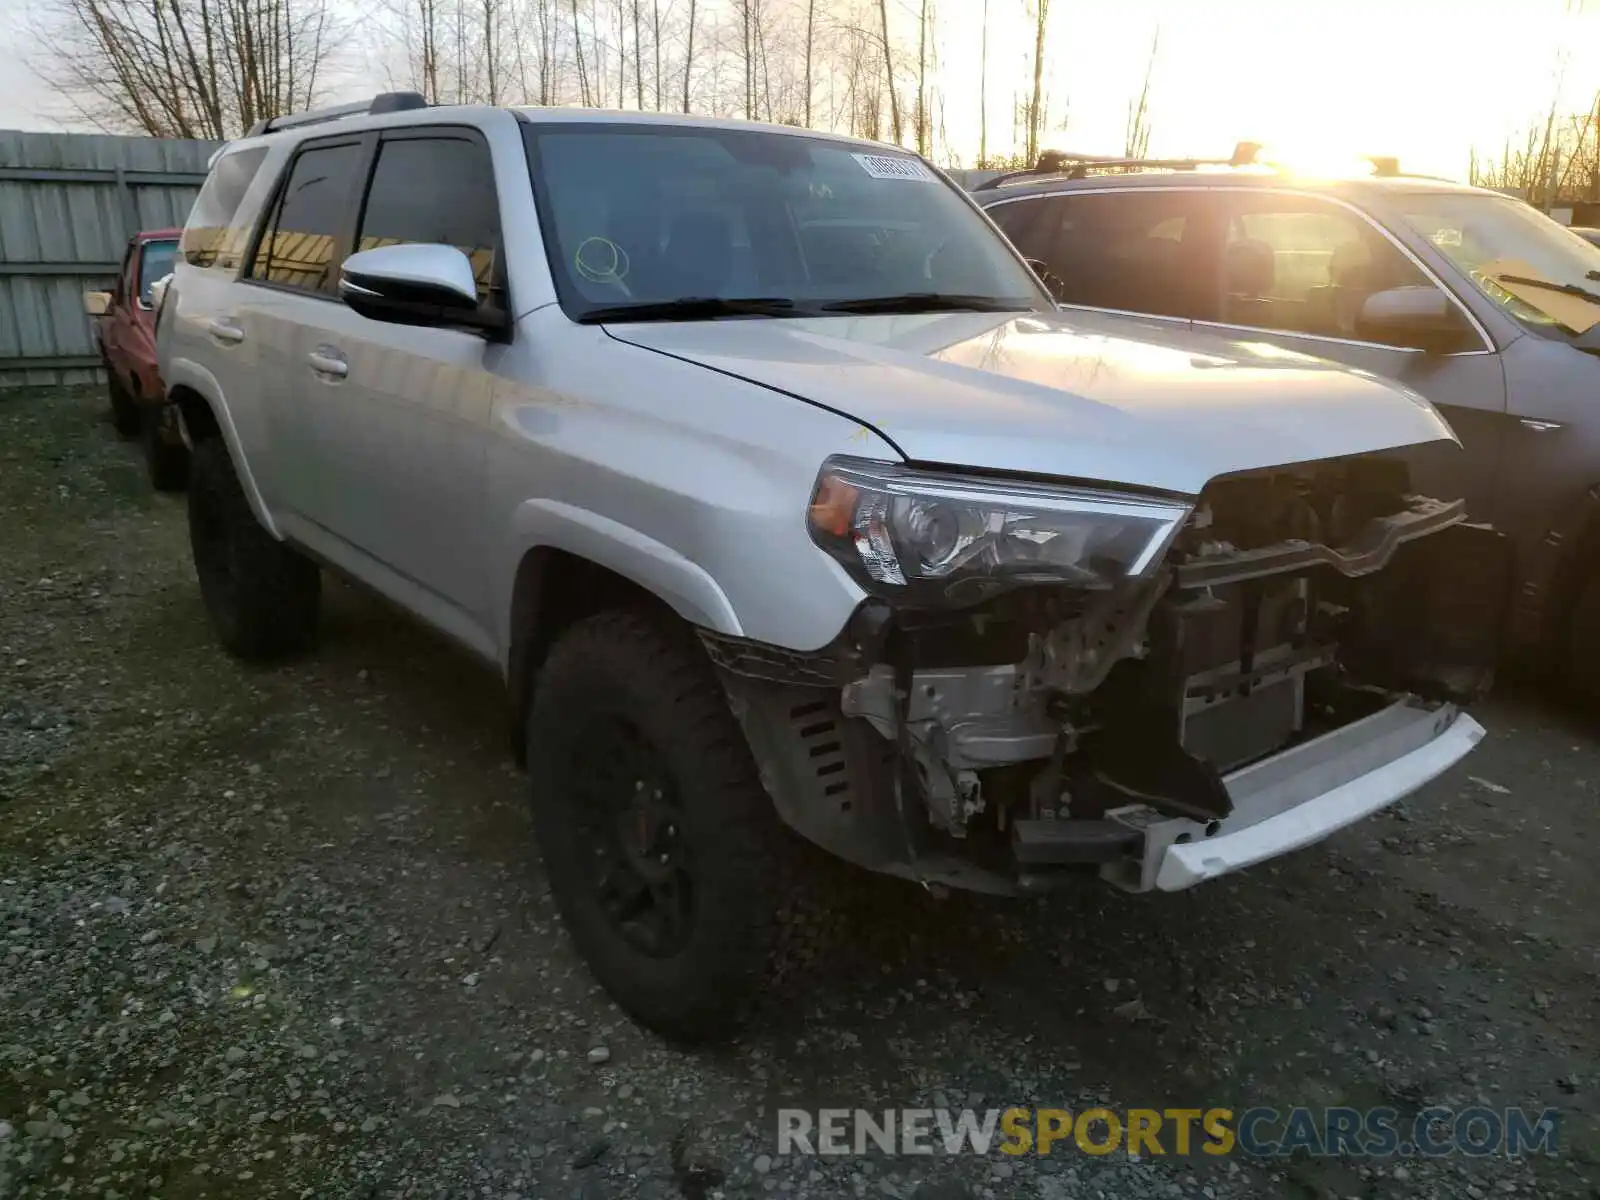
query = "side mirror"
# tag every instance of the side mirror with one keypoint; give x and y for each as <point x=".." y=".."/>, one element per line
<point x="96" y="304"/>
<point x="1420" y="317"/>
<point x="1052" y="282"/>
<point x="413" y="284"/>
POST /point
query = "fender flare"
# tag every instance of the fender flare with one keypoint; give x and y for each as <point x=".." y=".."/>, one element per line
<point x="683" y="585"/>
<point x="186" y="374"/>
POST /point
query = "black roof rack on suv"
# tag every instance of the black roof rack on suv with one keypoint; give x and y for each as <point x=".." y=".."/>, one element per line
<point x="1078" y="166"/>
<point x="383" y="102"/>
<point x="1057" y="163"/>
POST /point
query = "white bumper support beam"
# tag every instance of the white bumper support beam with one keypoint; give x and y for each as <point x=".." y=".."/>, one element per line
<point x="1303" y="794"/>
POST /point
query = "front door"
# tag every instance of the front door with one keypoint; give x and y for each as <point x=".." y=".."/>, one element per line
<point x="400" y="413"/>
<point x="1295" y="270"/>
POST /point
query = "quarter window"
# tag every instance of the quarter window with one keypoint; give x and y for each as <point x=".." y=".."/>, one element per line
<point x="297" y="249"/>
<point x="1298" y="265"/>
<point x="435" y="190"/>
<point x="212" y="237"/>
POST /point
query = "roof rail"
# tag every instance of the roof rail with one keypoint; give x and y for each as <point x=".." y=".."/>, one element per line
<point x="383" y="102"/>
<point x="1078" y="166"/>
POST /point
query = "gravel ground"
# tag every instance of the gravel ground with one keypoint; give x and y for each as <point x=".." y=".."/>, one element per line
<point x="280" y="933"/>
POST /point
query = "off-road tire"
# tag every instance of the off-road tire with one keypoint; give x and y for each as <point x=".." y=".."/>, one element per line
<point x="125" y="414"/>
<point x="639" y="669"/>
<point x="168" y="464"/>
<point x="260" y="594"/>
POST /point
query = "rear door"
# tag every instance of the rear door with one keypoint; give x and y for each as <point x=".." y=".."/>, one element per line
<point x="285" y="295"/>
<point x="1296" y="269"/>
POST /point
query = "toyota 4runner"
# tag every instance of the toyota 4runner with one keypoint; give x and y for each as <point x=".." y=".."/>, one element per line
<point x="779" y="492"/>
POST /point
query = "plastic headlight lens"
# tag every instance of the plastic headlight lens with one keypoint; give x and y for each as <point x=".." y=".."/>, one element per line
<point x="897" y="529"/>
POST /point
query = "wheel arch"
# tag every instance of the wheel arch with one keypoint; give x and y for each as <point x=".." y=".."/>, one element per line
<point x="202" y="415"/>
<point x="573" y="563"/>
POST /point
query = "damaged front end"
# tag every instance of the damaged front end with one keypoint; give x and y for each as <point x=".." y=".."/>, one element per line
<point x="1046" y="681"/>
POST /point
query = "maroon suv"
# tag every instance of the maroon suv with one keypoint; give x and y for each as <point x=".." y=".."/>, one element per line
<point x="125" y="335"/>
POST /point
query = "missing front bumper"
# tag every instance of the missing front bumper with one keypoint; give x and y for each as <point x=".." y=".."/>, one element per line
<point x="1299" y="797"/>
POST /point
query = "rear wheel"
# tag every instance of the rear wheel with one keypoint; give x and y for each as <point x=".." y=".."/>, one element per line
<point x="659" y="843"/>
<point x="124" y="410"/>
<point x="168" y="463"/>
<point x="262" y="595"/>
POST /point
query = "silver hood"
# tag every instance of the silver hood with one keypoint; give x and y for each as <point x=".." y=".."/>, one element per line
<point x="1108" y="399"/>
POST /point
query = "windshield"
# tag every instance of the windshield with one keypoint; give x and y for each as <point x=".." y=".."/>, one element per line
<point x="1475" y="231"/>
<point x="636" y="221"/>
<point x="155" y="263"/>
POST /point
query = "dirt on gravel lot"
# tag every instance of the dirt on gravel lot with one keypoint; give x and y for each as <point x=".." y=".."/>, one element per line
<point x="283" y="933"/>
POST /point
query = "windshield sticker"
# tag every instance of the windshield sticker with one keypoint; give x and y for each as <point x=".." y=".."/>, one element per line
<point x="894" y="166"/>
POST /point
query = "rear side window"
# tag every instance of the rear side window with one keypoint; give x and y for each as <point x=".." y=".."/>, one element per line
<point x="436" y="190"/>
<point x="211" y="238"/>
<point x="1132" y="251"/>
<point x="297" y="247"/>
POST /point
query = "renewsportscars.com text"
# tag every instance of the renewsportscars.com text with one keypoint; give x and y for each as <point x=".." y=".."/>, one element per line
<point x="1258" y="1132"/>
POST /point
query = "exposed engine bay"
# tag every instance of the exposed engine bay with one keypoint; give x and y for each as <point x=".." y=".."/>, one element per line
<point x="1043" y="730"/>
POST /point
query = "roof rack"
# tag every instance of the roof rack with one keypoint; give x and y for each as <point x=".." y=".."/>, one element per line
<point x="383" y="102"/>
<point x="1060" y="164"/>
<point x="1078" y="166"/>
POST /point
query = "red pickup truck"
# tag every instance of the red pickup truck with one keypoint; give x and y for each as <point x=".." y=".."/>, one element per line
<point x="125" y="336"/>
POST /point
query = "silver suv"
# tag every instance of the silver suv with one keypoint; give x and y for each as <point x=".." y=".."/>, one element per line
<point x="780" y="494"/>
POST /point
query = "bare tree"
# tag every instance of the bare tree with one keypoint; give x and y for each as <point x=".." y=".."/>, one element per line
<point x="983" y="91"/>
<point x="578" y="50"/>
<point x="1136" y="143"/>
<point x="1036" y="106"/>
<point x="688" y="56"/>
<point x="811" y="36"/>
<point x="924" y="124"/>
<point x="888" y="68"/>
<point x="185" y="68"/>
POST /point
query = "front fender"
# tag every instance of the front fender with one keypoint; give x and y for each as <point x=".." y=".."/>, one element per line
<point x="187" y="374"/>
<point x="685" y="586"/>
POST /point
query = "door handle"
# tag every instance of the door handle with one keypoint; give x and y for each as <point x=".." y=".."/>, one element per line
<point x="226" y="329"/>
<point x="1539" y="426"/>
<point x="325" y="360"/>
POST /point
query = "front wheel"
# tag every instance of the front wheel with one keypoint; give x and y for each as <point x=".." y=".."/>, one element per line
<point x="262" y="595"/>
<point x="659" y="843"/>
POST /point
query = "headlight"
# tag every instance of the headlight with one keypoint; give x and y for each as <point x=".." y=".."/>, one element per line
<point x="899" y="530"/>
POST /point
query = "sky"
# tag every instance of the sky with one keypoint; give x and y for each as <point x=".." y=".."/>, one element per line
<point x="1421" y="79"/>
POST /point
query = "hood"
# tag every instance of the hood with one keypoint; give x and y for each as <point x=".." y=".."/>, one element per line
<point x="1085" y="397"/>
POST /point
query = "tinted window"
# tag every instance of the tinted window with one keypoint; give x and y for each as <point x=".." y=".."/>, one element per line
<point x="297" y="249"/>
<point x="211" y="238"/>
<point x="1018" y="220"/>
<point x="435" y="190"/>
<point x="156" y="262"/>
<point x="653" y="217"/>
<point x="1301" y="265"/>
<point x="1135" y="251"/>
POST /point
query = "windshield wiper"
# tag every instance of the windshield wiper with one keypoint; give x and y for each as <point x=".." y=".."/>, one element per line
<point x="916" y="302"/>
<point x="694" y="308"/>
<point x="1566" y="289"/>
